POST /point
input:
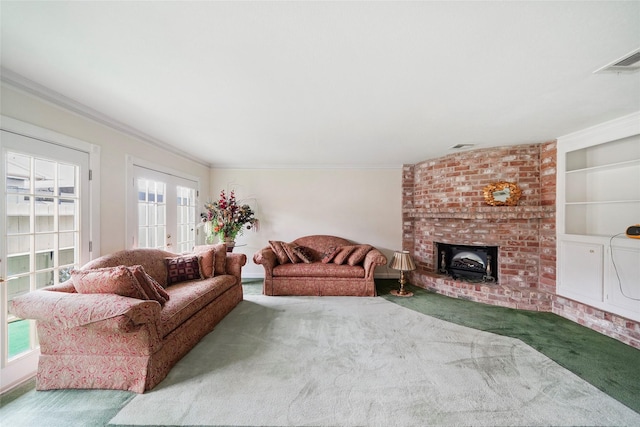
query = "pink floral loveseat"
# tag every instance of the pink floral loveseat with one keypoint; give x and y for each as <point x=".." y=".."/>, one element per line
<point x="92" y="339"/>
<point x="319" y="265"/>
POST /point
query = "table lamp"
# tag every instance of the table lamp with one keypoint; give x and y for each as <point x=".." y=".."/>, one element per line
<point x="402" y="261"/>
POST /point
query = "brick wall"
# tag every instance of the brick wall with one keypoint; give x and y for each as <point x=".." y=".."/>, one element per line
<point x="547" y="231"/>
<point x="618" y="327"/>
<point x="443" y="202"/>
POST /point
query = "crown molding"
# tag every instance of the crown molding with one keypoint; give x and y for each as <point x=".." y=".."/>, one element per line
<point x="306" y="166"/>
<point x="30" y="87"/>
<point x="611" y="130"/>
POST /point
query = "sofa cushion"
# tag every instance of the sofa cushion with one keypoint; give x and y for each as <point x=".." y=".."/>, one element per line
<point x="278" y="249"/>
<point x="182" y="268"/>
<point x="187" y="298"/>
<point x="305" y="254"/>
<point x="343" y="254"/>
<point x="151" y="259"/>
<point x="206" y="258"/>
<point x="291" y="254"/>
<point x="330" y="253"/>
<point x="158" y="287"/>
<point x="321" y="244"/>
<point x="109" y="280"/>
<point x="214" y="259"/>
<point x="358" y="255"/>
<point x="150" y="287"/>
<point x="318" y="270"/>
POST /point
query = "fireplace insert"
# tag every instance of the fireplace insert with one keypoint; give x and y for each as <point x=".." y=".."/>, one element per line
<point x="471" y="263"/>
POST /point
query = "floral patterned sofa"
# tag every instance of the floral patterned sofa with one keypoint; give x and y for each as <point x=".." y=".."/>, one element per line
<point x="319" y="265"/>
<point x="104" y="330"/>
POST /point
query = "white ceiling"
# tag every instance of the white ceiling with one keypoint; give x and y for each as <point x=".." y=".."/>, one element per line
<point x="317" y="84"/>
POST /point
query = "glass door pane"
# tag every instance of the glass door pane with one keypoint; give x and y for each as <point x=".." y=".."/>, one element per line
<point x="40" y="241"/>
<point x="42" y="224"/>
<point x="151" y="214"/>
<point x="162" y="211"/>
<point x="186" y="219"/>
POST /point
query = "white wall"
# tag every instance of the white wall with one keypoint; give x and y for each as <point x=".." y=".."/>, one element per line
<point x="115" y="146"/>
<point x="362" y="205"/>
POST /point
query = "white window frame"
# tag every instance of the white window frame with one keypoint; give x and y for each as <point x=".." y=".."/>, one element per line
<point x="131" y="221"/>
<point x="21" y="368"/>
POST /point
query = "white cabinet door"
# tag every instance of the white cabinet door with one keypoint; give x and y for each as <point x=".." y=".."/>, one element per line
<point x="623" y="277"/>
<point x="580" y="271"/>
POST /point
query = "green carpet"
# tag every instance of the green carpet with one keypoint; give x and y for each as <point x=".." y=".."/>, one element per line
<point x="60" y="408"/>
<point x="18" y="337"/>
<point x="607" y="364"/>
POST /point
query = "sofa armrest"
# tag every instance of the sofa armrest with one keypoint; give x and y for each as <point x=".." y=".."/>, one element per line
<point x="69" y="310"/>
<point x="373" y="258"/>
<point x="234" y="264"/>
<point x="267" y="258"/>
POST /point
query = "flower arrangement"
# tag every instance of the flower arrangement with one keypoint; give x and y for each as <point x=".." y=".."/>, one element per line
<point x="226" y="218"/>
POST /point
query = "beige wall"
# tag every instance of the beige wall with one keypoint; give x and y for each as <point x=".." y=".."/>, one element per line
<point x="362" y="205"/>
<point x="114" y="146"/>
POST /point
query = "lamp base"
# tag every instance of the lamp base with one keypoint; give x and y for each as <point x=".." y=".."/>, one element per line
<point x="402" y="293"/>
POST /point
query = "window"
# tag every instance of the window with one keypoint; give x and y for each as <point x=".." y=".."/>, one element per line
<point x="186" y="205"/>
<point x="45" y="221"/>
<point x="163" y="210"/>
<point x="152" y="214"/>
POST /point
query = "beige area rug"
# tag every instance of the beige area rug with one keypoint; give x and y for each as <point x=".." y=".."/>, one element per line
<point x="348" y="361"/>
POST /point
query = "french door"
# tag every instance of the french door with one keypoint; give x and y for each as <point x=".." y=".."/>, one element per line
<point x="44" y="216"/>
<point x="162" y="210"/>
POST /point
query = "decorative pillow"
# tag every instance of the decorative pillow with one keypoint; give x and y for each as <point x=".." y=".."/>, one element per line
<point x="182" y="268"/>
<point x="304" y="254"/>
<point x="279" y="251"/>
<point x="288" y="248"/>
<point x="220" y="261"/>
<point x="357" y="256"/>
<point x="331" y="252"/>
<point x="343" y="254"/>
<point x="110" y="280"/>
<point x="150" y="287"/>
<point x="219" y="258"/>
<point x="158" y="287"/>
<point x="206" y="257"/>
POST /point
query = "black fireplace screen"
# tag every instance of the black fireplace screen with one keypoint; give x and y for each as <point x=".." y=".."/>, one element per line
<point x="473" y="263"/>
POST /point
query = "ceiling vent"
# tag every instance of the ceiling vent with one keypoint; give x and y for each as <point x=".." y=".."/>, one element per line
<point x="627" y="64"/>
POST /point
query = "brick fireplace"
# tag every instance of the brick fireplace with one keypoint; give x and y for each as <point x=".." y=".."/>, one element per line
<point x="443" y="202"/>
<point x="477" y="264"/>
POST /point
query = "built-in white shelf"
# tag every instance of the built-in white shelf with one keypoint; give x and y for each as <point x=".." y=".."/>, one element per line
<point x="598" y="198"/>
<point x="631" y="163"/>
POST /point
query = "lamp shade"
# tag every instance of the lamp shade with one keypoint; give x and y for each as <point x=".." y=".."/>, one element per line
<point x="402" y="261"/>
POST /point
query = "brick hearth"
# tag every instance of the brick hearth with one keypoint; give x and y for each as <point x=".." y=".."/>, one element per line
<point x="443" y="202"/>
